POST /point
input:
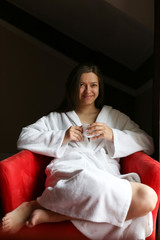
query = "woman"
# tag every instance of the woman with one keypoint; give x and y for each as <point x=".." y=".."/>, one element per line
<point x="83" y="182"/>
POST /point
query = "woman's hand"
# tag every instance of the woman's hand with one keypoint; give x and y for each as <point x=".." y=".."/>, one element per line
<point x="74" y="133"/>
<point x="101" y="130"/>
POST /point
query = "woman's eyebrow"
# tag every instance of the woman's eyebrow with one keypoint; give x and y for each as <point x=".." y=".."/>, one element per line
<point x="90" y="82"/>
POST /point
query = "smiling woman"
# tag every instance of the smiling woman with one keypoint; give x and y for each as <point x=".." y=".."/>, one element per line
<point x="76" y="84"/>
<point x="84" y="183"/>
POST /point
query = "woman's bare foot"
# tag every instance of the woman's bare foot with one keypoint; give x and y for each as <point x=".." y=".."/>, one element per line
<point x="44" y="216"/>
<point x="15" y="220"/>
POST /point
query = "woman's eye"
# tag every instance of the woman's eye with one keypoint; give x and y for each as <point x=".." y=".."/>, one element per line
<point x="94" y="85"/>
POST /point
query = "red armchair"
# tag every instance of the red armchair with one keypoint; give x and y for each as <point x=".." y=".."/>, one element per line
<point x="22" y="178"/>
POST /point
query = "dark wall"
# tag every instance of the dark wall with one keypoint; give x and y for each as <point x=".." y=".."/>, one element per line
<point x="120" y="100"/>
<point x="32" y="79"/>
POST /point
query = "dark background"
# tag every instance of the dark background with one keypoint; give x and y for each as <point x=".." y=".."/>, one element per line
<point x="36" y="59"/>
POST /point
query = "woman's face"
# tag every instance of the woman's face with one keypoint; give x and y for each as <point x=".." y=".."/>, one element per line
<point x="89" y="88"/>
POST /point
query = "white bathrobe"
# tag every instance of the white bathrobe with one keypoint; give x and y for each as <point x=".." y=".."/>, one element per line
<point x="83" y="180"/>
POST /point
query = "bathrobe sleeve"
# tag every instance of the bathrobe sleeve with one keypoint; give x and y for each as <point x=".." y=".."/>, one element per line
<point x="128" y="137"/>
<point x="44" y="137"/>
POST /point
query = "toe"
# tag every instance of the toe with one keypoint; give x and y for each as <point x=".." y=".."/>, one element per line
<point x="4" y="219"/>
<point x="5" y="222"/>
<point x="29" y="224"/>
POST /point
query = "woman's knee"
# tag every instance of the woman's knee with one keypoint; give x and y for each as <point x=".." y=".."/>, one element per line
<point x="148" y="197"/>
<point x="144" y="200"/>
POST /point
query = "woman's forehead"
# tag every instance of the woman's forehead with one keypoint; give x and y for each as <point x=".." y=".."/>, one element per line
<point x="89" y="77"/>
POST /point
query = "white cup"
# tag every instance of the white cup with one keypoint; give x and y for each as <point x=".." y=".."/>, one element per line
<point x="85" y="127"/>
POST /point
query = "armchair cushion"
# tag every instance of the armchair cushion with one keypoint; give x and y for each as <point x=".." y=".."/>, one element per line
<point x="22" y="178"/>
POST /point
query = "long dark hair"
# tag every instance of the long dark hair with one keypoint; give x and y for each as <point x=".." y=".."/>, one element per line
<point x="71" y="99"/>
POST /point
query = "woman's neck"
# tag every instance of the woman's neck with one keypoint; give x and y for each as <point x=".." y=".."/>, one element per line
<point x="87" y="114"/>
<point x="86" y="109"/>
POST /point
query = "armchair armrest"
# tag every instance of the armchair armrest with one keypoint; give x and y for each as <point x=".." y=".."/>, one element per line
<point x="149" y="172"/>
<point x="22" y="178"/>
<point x="147" y="168"/>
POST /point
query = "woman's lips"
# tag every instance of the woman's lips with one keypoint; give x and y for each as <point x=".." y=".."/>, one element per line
<point x="87" y="96"/>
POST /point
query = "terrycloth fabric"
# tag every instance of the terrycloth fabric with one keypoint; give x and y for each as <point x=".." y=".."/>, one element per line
<point x="84" y="180"/>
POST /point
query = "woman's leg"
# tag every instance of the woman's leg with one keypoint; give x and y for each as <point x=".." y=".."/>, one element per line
<point x="144" y="200"/>
<point x="30" y="214"/>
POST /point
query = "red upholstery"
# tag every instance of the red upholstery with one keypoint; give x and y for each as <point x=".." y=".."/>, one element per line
<point x="149" y="172"/>
<point x="22" y="179"/>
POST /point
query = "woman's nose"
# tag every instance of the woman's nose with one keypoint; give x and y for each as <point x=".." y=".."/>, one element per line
<point x="87" y="88"/>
